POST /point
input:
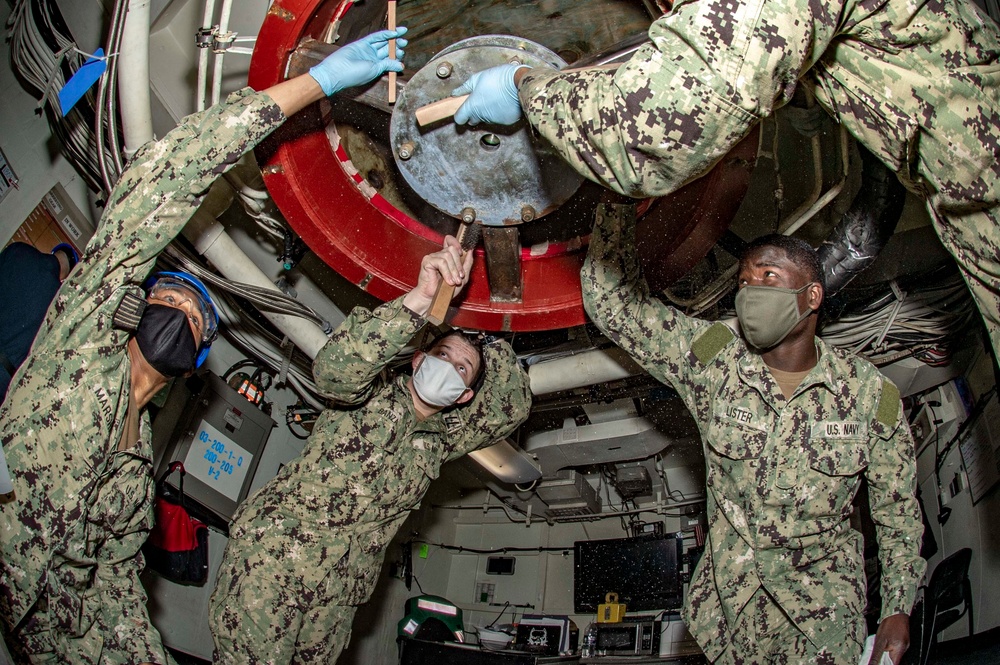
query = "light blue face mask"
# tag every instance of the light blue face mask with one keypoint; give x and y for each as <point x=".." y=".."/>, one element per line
<point x="437" y="382"/>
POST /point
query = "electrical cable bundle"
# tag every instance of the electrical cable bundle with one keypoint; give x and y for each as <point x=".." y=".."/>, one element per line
<point x="109" y="158"/>
<point x="45" y="57"/>
<point x="258" y="205"/>
<point x="902" y="324"/>
<point x="267" y="300"/>
<point x="257" y="340"/>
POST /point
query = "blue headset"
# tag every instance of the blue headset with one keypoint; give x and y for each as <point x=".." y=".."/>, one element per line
<point x="198" y="287"/>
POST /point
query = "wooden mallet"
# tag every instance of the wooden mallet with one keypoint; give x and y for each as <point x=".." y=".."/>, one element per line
<point x="468" y="238"/>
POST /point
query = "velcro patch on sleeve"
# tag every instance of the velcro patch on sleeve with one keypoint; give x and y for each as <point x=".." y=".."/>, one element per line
<point x="888" y="404"/>
<point x="709" y="343"/>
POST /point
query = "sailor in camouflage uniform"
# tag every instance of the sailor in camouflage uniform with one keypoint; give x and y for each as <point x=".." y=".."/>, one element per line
<point x="918" y="83"/>
<point x="76" y="438"/>
<point x="789" y="429"/>
<point x="306" y="550"/>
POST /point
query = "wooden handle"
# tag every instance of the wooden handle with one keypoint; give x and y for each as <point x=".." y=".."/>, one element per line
<point x="447" y="107"/>
<point x="445" y="291"/>
<point x="392" y="51"/>
<point x="439" y="306"/>
<point x="439" y="110"/>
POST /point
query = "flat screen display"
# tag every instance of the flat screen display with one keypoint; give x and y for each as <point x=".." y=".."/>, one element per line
<point x="643" y="571"/>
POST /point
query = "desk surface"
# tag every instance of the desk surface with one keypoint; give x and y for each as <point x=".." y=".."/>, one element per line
<point x="420" y="652"/>
<point x="644" y="660"/>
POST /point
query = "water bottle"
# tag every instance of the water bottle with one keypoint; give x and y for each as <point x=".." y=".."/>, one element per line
<point x="589" y="649"/>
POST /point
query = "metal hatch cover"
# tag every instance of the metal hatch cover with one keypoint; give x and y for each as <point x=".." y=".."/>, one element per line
<point x="503" y="173"/>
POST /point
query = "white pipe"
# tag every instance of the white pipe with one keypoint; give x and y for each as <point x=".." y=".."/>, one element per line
<point x="507" y="463"/>
<point x="133" y="78"/>
<point x="202" y="85"/>
<point x="212" y="241"/>
<point x="804" y="213"/>
<point x="817" y="160"/>
<point x="583" y="369"/>
<point x="227" y="7"/>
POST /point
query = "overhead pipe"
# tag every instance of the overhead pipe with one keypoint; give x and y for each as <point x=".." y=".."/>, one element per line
<point x="804" y="213"/>
<point x="133" y="77"/>
<point x="507" y="463"/>
<point x="211" y="241"/>
<point x="227" y="7"/>
<point x="816" y="151"/>
<point x="580" y="370"/>
<point x="203" y="50"/>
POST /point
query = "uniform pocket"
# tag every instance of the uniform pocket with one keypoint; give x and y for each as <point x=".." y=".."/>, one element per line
<point x="733" y="441"/>
<point x="732" y="454"/>
<point x="122" y="503"/>
<point x="822" y="483"/>
<point x="844" y="457"/>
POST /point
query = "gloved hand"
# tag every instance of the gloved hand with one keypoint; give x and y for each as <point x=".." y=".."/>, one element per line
<point x="360" y="62"/>
<point x="492" y="97"/>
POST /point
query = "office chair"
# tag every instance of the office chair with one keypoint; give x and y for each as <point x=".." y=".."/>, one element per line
<point x="947" y="598"/>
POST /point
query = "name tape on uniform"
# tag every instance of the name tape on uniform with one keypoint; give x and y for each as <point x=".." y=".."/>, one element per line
<point x="743" y="416"/>
<point x="839" y="429"/>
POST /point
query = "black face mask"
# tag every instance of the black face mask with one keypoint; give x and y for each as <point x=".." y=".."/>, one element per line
<point x="165" y="339"/>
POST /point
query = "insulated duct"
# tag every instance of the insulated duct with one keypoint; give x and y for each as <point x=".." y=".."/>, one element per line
<point x="866" y="227"/>
<point x="133" y="78"/>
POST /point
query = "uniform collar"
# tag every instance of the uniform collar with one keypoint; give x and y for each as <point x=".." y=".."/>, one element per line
<point x="753" y="372"/>
<point x="435" y="423"/>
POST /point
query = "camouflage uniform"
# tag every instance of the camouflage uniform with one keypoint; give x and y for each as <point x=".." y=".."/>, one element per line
<point x="781" y="474"/>
<point x="70" y="542"/>
<point x="307" y="548"/>
<point x="915" y="82"/>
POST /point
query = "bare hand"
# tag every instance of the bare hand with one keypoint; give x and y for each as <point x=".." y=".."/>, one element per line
<point x="450" y="264"/>
<point x="892" y="637"/>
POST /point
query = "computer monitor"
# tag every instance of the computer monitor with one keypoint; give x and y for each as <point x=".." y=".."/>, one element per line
<point x="645" y="572"/>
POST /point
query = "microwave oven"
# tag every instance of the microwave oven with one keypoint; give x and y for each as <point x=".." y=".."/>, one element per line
<point x="633" y="636"/>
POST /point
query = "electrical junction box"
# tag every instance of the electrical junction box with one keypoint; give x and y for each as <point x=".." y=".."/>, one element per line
<point x="568" y="494"/>
<point x="633" y="481"/>
<point x="219" y="437"/>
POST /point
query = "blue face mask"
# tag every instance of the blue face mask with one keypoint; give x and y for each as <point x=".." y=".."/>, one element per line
<point x="437" y="382"/>
<point x="166" y="340"/>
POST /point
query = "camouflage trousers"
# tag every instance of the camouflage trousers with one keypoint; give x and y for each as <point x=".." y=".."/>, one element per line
<point x="267" y="617"/>
<point x="764" y="635"/>
<point x="40" y="640"/>
<point x="973" y="238"/>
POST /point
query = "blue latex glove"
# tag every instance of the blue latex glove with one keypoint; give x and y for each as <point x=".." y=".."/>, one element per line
<point x="360" y="62"/>
<point x="492" y="97"/>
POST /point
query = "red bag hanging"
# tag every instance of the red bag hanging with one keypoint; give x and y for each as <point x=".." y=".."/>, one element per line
<point x="177" y="547"/>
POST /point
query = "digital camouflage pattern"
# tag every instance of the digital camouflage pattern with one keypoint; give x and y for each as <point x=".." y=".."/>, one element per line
<point x="781" y="474"/>
<point x="918" y="83"/>
<point x="307" y="548"/>
<point x="69" y="544"/>
<point x="764" y="635"/>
